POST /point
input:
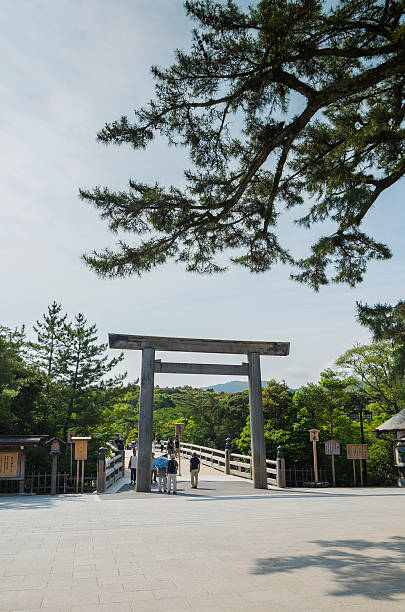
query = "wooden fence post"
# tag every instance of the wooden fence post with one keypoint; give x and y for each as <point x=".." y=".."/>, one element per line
<point x="101" y="470"/>
<point x="280" y="468"/>
<point x="228" y="456"/>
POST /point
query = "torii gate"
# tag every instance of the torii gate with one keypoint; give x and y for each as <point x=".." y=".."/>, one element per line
<point x="149" y="344"/>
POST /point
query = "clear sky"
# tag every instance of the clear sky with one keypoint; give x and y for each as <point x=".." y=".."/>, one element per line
<point x="67" y="67"/>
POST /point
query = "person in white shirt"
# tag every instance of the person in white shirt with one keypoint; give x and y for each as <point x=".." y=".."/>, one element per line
<point x="133" y="462"/>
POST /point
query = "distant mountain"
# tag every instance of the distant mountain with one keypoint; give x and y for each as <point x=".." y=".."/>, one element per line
<point x="234" y="386"/>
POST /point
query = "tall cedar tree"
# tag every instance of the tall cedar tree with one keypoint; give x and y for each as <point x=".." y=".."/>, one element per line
<point x="282" y="104"/>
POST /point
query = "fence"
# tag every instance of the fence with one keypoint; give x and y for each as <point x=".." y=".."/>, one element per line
<point x="304" y="477"/>
<point x="238" y="465"/>
<point x="40" y="484"/>
<point x="109" y="470"/>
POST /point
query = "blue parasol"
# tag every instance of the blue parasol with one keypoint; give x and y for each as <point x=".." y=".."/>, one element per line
<point x="160" y="462"/>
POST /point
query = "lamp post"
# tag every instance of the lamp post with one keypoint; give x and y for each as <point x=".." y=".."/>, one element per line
<point x="314" y="438"/>
<point x="361" y="414"/>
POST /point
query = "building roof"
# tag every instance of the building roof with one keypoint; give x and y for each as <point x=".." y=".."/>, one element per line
<point x="395" y="423"/>
<point x="21" y="440"/>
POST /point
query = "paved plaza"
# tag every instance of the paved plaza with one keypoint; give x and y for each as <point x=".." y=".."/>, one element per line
<point x="229" y="548"/>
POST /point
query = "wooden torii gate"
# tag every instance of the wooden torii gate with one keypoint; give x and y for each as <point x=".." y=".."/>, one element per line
<point x="149" y="344"/>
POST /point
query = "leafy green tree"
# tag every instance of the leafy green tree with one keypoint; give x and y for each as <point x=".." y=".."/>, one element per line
<point x="12" y="344"/>
<point x="369" y="369"/>
<point x="20" y="385"/>
<point x="279" y="417"/>
<point x="280" y="105"/>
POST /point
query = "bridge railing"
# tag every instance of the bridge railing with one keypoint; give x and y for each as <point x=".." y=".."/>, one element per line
<point x="236" y="464"/>
<point x="109" y="470"/>
<point x="214" y="457"/>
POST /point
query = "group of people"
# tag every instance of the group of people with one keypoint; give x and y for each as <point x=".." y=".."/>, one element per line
<point x="164" y="470"/>
<point x="172" y="446"/>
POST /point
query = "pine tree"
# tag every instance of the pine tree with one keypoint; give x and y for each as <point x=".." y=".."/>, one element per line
<point x="283" y="104"/>
<point x="83" y="366"/>
<point x="387" y="322"/>
<point x="50" y="332"/>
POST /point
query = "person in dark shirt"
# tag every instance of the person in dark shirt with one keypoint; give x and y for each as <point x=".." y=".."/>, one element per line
<point x="170" y="447"/>
<point x="172" y="474"/>
<point x="194" y="470"/>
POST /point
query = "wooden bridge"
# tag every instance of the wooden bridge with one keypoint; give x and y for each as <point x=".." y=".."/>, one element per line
<point x="221" y="466"/>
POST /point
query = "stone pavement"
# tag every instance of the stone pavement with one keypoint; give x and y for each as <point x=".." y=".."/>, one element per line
<point x="282" y="550"/>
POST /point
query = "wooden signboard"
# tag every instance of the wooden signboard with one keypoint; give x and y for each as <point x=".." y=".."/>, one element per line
<point x="80" y="450"/>
<point x="70" y="434"/>
<point x="356" y="451"/>
<point x="314" y="435"/>
<point x="179" y="429"/>
<point x="9" y="464"/>
<point x="332" y="447"/>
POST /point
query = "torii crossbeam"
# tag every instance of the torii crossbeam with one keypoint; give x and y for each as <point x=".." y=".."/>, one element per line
<point x="149" y="344"/>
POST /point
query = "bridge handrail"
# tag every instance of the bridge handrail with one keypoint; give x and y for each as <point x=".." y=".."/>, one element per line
<point x="230" y="463"/>
<point x="209" y="448"/>
<point x="109" y="470"/>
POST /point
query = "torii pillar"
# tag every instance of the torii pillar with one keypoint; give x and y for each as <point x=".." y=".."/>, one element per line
<point x="149" y="344"/>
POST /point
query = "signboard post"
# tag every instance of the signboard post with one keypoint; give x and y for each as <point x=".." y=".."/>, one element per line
<point x="71" y="433"/>
<point x="80" y="455"/>
<point x="332" y="448"/>
<point x="179" y="433"/>
<point x="314" y="438"/>
<point x="353" y="452"/>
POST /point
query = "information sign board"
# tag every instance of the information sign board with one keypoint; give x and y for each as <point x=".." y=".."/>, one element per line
<point x="356" y="451"/>
<point x="314" y="435"/>
<point x="80" y="449"/>
<point x="8" y="464"/>
<point x="332" y="447"/>
<point x="179" y="429"/>
<point x="70" y="434"/>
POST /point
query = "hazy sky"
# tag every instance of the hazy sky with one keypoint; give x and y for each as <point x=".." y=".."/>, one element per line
<point x="69" y="66"/>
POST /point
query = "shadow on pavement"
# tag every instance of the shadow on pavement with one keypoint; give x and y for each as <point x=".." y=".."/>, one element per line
<point x="360" y="567"/>
<point x="15" y="502"/>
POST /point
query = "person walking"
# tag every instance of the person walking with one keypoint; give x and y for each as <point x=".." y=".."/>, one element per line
<point x="133" y="462"/>
<point x="162" y="474"/>
<point x="194" y="470"/>
<point x="177" y="445"/>
<point x="170" y="447"/>
<point x="162" y="445"/>
<point x="172" y="468"/>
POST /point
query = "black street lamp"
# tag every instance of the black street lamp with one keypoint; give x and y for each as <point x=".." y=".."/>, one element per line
<point x="361" y="414"/>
